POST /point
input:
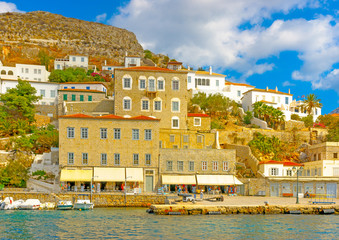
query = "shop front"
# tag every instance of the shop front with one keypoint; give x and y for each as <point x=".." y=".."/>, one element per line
<point x="217" y="184"/>
<point x="75" y="179"/>
<point x="178" y="183"/>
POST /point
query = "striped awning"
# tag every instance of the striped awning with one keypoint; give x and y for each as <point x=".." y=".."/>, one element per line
<point x="134" y="175"/>
<point x="76" y="175"/>
<point x="109" y="174"/>
<point x="179" y="179"/>
<point x="218" y="180"/>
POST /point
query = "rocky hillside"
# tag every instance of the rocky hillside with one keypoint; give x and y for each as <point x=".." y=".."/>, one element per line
<point x="335" y="111"/>
<point x="24" y="35"/>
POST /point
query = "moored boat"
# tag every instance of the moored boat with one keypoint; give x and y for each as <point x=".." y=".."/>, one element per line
<point x="81" y="204"/>
<point x="64" y="205"/>
<point x="30" y="204"/>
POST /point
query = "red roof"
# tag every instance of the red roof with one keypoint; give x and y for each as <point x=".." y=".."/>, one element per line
<point x="110" y="116"/>
<point x="174" y="63"/>
<point x="286" y="163"/>
<point x="238" y="84"/>
<point x="197" y="115"/>
<point x="335" y="114"/>
<point x="147" y="68"/>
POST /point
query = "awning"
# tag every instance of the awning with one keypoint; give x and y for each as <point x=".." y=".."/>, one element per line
<point x="76" y="175"/>
<point x="179" y="179"/>
<point x="109" y="175"/>
<point x="217" y="180"/>
<point x="134" y="175"/>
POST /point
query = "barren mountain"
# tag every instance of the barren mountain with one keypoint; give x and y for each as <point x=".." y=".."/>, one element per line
<point x="24" y="35"/>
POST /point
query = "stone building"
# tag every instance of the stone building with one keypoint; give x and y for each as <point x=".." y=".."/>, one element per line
<point x="109" y="150"/>
<point x="154" y="92"/>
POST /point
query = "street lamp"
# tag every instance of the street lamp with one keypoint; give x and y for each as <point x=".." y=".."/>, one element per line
<point x="297" y="170"/>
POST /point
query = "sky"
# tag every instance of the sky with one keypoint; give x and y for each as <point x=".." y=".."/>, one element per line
<point x="288" y="44"/>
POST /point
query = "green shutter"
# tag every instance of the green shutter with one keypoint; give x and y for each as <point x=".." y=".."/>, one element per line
<point x="73" y="97"/>
<point x="81" y="98"/>
<point x="89" y="98"/>
<point x="65" y="97"/>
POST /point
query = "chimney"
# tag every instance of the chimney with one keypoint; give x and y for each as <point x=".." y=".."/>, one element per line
<point x="289" y="91"/>
<point x="267" y="88"/>
<point x="210" y="70"/>
<point x="126" y="53"/>
<point x="189" y="68"/>
<point x="276" y="88"/>
<point x="105" y="63"/>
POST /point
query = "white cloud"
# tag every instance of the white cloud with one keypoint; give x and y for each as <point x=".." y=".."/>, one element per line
<point x="101" y="17"/>
<point x="230" y="34"/>
<point x="8" y="7"/>
<point x="288" y="84"/>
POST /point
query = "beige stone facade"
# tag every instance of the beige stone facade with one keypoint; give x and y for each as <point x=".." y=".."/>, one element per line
<point x="110" y="141"/>
<point x="198" y="122"/>
<point x="152" y="91"/>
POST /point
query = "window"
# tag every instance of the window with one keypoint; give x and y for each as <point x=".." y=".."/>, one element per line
<point x="103" y="159"/>
<point x="39" y="71"/>
<point x="175" y="122"/>
<point x="199" y="139"/>
<point x="190" y="166"/>
<point x="185" y="139"/>
<point x="197" y="121"/>
<point x="52" y="93"/>
<point x="204" y="165"/>
<point x="88" y="87"/>
<point x="73" y="59"/>
<point x="189" y="79"/>
<point x="70" y="158"/>
<point x="144" y="105"/>
<point x="148" y="134"/>
<point x="160" y="144"/>
<point x="135" y="134"/>
<point x="172" y="138"/>
<point x="225" y="166"/>
<point x="127" y="104"/>
<point x="175" y="106"/>
<point x="239" y="93"/>
<point x="215" y="166"/>
<point x="142" y="84"/>
<point x="84" y="158"/>
<point x="135" y="159"/>
<point x="169" y="165"/>
<point x="288" y="172"/>
<point x="161" y="85"/>
<point x="89" y="98"/>
<point x="180" y="166"/>
<point x="151" y="85"/>
<point x="103" y="133"/>
<point x="117" y="133"/>
<point x="216" y="83"/>
<point x="73" y="97"/>
<point x="273" y="99"/>
<point x="26" y="70"/>
<point x="58" y="66"/>
<point x="127" y="83"/>
<point x="319" y="156"/>
<point x="157" y="105"/>
<point x="274" y="171"/>
<point x="82" y="59"/>
<point x="81" y="98"/>
<point x="148" y="159"/>
<point x="335" y="155"/>
<point x="65" y="97"/>
<point x="175" y="85"/>
<point x="70" y="132"/>
<point x="175" y="146"/>
<point x="286" y="100"/>
<point x="84" y="133"/>
<point x="42" y="93"/>
<point x="117" y="159"/>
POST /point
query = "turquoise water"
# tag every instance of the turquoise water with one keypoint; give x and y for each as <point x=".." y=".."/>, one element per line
<point x="131" y="223"/>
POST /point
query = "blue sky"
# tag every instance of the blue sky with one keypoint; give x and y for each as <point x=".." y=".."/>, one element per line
<point x="291" y="44"/>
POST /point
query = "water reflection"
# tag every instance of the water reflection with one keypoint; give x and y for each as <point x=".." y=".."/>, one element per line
<point x="120" y="223"/>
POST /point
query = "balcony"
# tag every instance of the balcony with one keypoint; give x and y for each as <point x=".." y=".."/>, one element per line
<point x="151" y="92"/>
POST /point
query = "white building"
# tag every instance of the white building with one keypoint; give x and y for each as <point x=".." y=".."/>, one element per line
<point x="132" y="61"/>
<point x="47" y="90"/>
<point x="73" y="61"/>
<point x="235" y="91"/>
<point x="278" y="169"/>
<point x="99" y="86"/>
<point x="25" y="72"/>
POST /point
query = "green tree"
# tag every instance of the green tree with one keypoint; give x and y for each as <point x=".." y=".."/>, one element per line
<point x="311" y="102"/>
<point x="18" y="103"/>
<point x="308" y="121"/>
<point x="44" y="58"/>
<point x="248" y="117"/>
<point x="73" y="75"/>
<point x="295" y="117"/>
<point x="333" y="133"/>
<point x="148" y="54"/>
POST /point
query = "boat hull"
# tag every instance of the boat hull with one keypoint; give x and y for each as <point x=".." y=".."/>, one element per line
<point x="64" y="207"/>
<point x="83" y="206"/>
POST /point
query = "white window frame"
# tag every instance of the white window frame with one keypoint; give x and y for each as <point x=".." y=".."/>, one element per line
<point x="70" y="132"/>
<point x="191" y="166"/>
<point x="145" y="105"/>
<point x="163" y="84"/>
<point x="185" y="138"/>
<point x="103" y="133"/>
<point x="225" y="166"/>
<point x="42" y="92"/>
<point x="135" y="159"/>
<point x="204" y="166"/>
<point x="103" y="159"/>
<point x="151" y="88"/>
<point x="215" y="166"/>
<point x="175" y="103"/>
<point x="70" y="158"/>
<point x="148" y="134"/>
<point x="169" y="165"/>
<point x="274" y="171"/>
<point x="154" y="105"/>
<point x="117" y="159"/>
<point x="124" y="103"/>
<point x="180" y="166"/>
<point x="52" y="93"/>
<point x="175" y="87"/>
<point x="117" y="133"/>
<point x="84" y="157"/>
<point x="148" y="159"/>
<point x="125" y="81"/>
<point x="197" y="119"/>
<point x="144" y="84"/>
<point x="84" y="133"/>
<point x="135" y="134"/>
<point x="174" y="119"/>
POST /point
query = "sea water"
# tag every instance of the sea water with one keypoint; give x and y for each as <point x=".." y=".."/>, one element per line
<point x="134" y="223"/>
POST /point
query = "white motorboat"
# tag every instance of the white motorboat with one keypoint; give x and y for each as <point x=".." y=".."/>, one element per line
<point x="47" y="206"/>
<point x="81" y="204"/>
<point x="9" y="204"/>
<point x="64" y="205"/>
<point x="30" y="204"/>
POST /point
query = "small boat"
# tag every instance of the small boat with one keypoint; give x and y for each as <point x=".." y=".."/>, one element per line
<point x="64" y="205"/>
<point x="47" y="206"/>
<point x="30" y="204"/>
<point x="9" y="204"/>
<point x="81" y="204"/>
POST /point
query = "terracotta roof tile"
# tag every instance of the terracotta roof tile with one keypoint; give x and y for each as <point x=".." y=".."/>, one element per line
<point x="111" y="116"/>
<point x="269" y="90"/>
<point x="238" y="84"/>
<point x="197" y="115"/>
<point x="79" y="115"/>
<point x="286" y="163"/>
